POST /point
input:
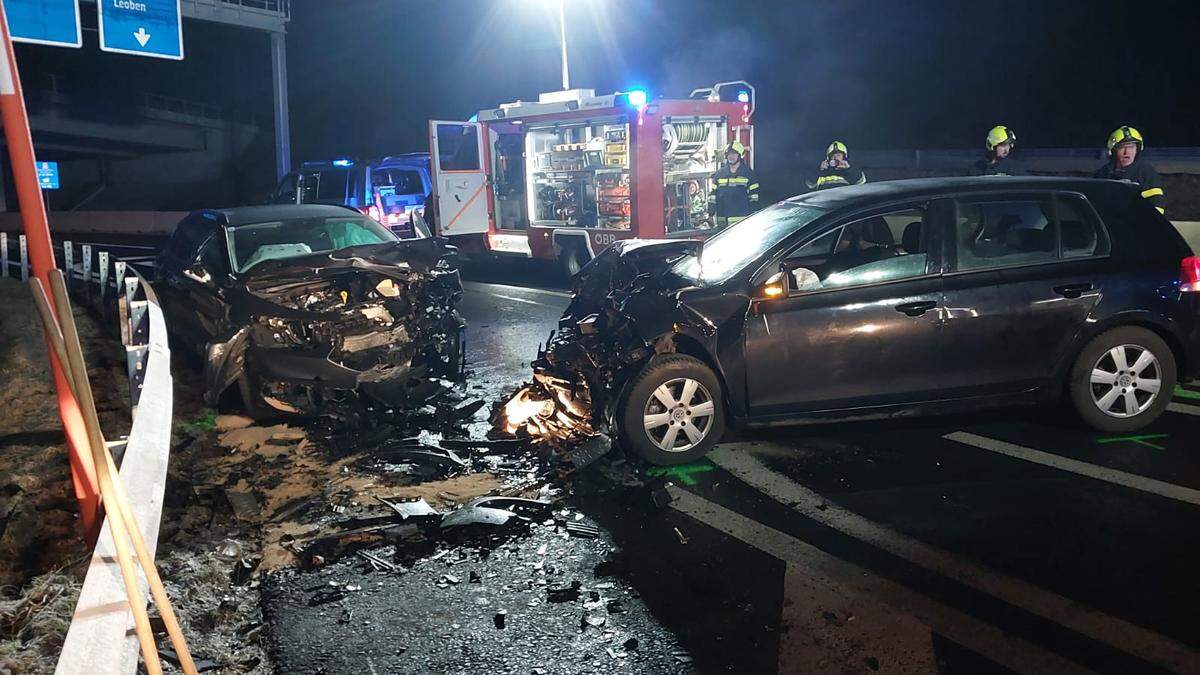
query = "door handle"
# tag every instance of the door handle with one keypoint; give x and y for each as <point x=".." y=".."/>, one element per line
<point x="1072" y="290"/>
<point x="916" y="308"/>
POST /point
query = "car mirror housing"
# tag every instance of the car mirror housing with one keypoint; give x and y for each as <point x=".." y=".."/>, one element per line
<point x="197" y="273"/>
<point x="773" y="287"/>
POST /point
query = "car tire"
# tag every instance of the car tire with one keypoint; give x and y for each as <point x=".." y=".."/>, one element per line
<point x="1111" y="392"/>
<point x="571" y="260"/>
<point x="250" y="389"/>
<point x="645" y="420"/>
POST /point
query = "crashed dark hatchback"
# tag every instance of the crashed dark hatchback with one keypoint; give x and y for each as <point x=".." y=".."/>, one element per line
<point x="876" y="301"/>
<point x="306" y="308"/>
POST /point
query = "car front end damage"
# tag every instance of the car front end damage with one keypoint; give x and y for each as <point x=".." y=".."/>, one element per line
<point x="624" y="311"/>
<point x="313" y="335"/>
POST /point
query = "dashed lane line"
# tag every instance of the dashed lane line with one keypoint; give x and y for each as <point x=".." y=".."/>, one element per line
<point x="1122" y="478"/>
<point x="1116" y="633"/>
<point x="527" y="302"/>
<point x="826" y="571"/>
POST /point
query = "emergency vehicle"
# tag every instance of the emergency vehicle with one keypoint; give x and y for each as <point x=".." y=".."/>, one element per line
<point x="562" y="178"/>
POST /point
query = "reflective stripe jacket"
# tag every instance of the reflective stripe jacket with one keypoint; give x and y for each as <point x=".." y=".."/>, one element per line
<point x="1144" y="175"/>
<point x="1003" y="167"/>
<point x="734" y="194"/>
<point x="836" y="177"/>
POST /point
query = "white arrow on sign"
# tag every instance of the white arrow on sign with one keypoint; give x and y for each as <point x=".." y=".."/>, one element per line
<point x="142" y="36"/>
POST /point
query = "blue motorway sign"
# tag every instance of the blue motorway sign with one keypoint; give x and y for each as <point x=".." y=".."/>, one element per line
<point x="44" y="22"/>
<point x="143" y="27"/>
<point x="47" y="175"/>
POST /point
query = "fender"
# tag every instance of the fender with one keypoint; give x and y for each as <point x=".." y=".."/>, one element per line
<point x="1094" y="327"/>
<point x="224" y="363"/>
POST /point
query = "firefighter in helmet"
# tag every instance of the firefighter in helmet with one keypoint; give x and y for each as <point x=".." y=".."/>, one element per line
<point x="998" y="162"/>
<point x="734" y="193"/>
<point x="1125" y="163"/>
<point x="835" y="170"/>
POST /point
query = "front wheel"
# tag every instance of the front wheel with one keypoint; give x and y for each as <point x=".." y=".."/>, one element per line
<point x="673" y="412"/>
<point x="1123" y="380"/>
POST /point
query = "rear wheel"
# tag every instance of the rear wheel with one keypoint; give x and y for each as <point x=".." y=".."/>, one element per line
<point x="1123" y="380"/>
<point x="673" y="412"/>
<point x="571" y="260"/>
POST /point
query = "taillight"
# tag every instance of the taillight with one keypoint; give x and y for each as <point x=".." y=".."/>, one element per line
<point x="1189" y="274"/>
<point x="373" y="212"/>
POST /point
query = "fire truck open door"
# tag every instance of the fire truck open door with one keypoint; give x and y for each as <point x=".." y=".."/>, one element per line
<point x="456" y="149"/>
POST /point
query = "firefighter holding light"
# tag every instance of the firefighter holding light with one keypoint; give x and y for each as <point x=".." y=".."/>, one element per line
<point x="999" y="144"/>
<point x="734" y="193"/>
<point x="1124" y="163"/>
<point x="836" y="171"/>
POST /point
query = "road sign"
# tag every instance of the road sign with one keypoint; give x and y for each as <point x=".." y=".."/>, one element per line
<point x="47" y="175"/>
<point x="44" y="22"/>
<point x="142" y="27"/>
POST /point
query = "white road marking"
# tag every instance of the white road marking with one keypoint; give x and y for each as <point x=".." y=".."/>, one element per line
<point x="848" y="579"/>
<point x="528" y="302"/>
<point x="1184" y="408"/>
<point x="543" y="291"/>
<point x="1101" y="627"/>
<point x="1122" y="478"/>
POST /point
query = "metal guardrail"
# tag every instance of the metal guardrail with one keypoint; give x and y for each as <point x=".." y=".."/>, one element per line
<point x="100" y="638"/>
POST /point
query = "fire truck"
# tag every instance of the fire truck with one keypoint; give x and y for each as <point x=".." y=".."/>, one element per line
<point x="562" y="178"/>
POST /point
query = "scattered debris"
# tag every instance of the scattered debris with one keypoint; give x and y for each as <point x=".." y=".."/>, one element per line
<point x="498" y="620"/>
<point x="682" y="539"/>
<point x="416" y="508"/>
<point x="630" y="645"/>
<point x="245" y="506"/>
<point x="566" y="594"/>
<point x="583" y="530"/>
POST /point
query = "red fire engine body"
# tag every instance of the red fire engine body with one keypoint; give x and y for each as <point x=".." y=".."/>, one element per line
<point x="563" y="178"/>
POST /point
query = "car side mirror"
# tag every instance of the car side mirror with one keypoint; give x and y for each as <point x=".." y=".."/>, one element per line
<point x="197" y="273"/>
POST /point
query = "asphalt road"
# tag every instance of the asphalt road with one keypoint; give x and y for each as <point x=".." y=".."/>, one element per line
<point x="1012" y="540"/>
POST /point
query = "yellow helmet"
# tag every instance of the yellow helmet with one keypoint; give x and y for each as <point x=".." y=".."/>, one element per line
<point x="999" y="135"/>
<point x="837" y="146"/>
<point x="737" y="147"/>
<point x="1125" y="134"/>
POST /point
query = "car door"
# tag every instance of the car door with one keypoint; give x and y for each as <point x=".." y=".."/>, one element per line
<point x="1024" y="272"/>
<point x="859" y="324"/>
<point x="188" y="286"/>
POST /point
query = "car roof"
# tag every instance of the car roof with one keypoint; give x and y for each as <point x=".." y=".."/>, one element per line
<point x="892" y="190"/>
<point x="245" y="215"/>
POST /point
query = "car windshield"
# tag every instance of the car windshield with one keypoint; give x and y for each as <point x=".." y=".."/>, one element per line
<point x="252" y="244"/>
<point x="729" y="251"/>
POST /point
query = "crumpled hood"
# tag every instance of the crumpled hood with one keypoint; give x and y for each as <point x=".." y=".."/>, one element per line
<point x="629" y="266"/>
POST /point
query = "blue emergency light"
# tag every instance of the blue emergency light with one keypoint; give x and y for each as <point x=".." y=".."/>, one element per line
<point x="743" y="96"/>
<point x="637" y="98"/>
<point x="343" y="162"/>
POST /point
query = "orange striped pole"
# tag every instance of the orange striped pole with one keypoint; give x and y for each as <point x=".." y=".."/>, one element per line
<point x="41" y="255"/>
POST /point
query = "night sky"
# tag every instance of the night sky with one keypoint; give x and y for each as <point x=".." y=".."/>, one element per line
<point x="366" y="74"/>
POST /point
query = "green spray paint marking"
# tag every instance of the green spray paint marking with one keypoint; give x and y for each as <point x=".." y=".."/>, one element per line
<point x="682" y="473"/>
<point x="1143" y="439"/>
<point x="1186" y="393"/>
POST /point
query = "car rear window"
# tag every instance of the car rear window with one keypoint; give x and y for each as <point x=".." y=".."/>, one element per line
<point x="1006" y="233"/>
<point x="1083" y="235"/>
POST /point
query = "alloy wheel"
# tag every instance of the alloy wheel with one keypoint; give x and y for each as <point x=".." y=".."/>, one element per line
<point x="1125" y="381"/>
<point x="679" y="415"/>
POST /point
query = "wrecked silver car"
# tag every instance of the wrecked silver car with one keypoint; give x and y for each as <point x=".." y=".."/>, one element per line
<point x="310" y="308"/>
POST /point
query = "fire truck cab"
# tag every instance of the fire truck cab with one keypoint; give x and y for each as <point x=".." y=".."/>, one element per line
<point x="562" y="178"/>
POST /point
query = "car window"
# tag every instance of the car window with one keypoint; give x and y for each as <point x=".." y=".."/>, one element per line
<point x="1005" y="234"/>
<point x="737" y="246"/>
<point x="252" y="244"/>
<point x="1083" y="235"/>
<point x="189" y="235"/>
<point x="325" y="186"/>
<point x="389" y="182"/>
<point x="883" y="247"/>
<point x="286" y="192"/>
<point x="458" y="147"/>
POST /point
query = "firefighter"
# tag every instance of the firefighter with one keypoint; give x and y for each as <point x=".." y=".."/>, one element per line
<point x="735" y="188"/>
<point x="836" y="170"/>
<point x="1124" y="147"/>
<point x="999" y="143"/>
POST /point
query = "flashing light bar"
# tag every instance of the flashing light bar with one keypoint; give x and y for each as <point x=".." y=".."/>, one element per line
<point x="637" y="98"/>
<point x="343" y="162"/>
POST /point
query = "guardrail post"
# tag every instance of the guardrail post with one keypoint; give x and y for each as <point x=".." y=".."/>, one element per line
<point x="119" y="273"/>
<point x="4" y="255"/>
<point x="69" y="263"/>
<point x="103" y="256"/>
<point x="24" y="258"/>
<point x="138" y="325"/>
<point x="135" y="357"/>
<point x="87" y="270"/>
